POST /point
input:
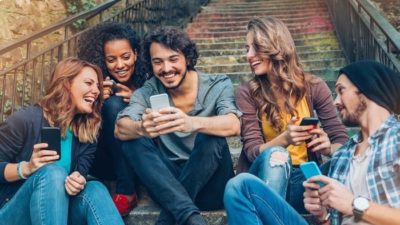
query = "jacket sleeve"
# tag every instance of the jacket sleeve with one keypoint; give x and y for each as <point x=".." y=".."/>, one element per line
<point x="252" y="136"/>
<point x="12" y="138"/>
<point x="327" y="113"/>
<point x="85" y="158"/>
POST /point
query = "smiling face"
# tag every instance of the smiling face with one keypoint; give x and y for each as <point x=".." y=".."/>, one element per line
<point x="259" y="64"/>
<point x="85" y="90"/>
<point x="169" y="66"/>
<point x="350" y="104"/>
<point x="120" y="59"/>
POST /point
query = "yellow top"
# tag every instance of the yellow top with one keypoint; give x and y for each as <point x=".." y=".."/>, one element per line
<point x="298" y="153"/>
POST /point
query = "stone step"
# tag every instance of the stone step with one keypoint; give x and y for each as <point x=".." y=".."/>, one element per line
<point x="243" y="16"/>
<point x="229" y="59"/>
<point x="300" y="49"/>
<point x="307" y="64"/>
<point x="305" y="21"/>
<point x="263" y="7"/>
<point x="245" y="2"/>
<point x="242" y="33"/>
<point x="240" y="43"/>
<point x="302" y="37"/>
<point x="293" y="29"/>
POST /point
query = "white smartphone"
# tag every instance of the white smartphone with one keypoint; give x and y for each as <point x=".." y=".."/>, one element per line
<point x="159" y="101"/>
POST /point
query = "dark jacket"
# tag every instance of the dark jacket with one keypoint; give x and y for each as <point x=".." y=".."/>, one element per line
<point x="318" y="97"/>
<point x="19" y="133"/>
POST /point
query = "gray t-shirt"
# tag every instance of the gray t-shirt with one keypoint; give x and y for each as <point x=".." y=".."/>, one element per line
<point x="215" y="97"/>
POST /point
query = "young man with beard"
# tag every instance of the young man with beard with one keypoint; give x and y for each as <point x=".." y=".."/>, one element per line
<point x="363" y="184"/>
<point x="180" y="152"/>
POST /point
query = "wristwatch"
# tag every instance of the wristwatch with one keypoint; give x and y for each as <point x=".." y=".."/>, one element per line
<point x="360" y="205"/>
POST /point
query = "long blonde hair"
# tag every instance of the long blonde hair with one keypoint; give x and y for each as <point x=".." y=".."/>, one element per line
<point x="57" y="103"/>
<point x="272" y="40"/>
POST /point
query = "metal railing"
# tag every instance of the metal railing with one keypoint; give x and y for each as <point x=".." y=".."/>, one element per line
<point x="23" y="82"/>
<point x="364" y="33"/>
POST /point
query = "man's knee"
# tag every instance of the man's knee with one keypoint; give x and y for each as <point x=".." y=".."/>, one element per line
<point x="210" y="144"/>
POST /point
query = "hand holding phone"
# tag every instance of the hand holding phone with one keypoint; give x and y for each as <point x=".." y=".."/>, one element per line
<point x="309" y="121"/>
<point x="158" y="102"/>
<point x="311" y="169"/>
<point x="52" y="136"/>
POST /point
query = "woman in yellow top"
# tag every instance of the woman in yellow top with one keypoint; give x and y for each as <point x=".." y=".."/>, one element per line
<point x="273" y="103"/>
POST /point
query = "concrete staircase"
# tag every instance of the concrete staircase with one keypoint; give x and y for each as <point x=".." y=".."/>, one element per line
<point x="219" y="31"/>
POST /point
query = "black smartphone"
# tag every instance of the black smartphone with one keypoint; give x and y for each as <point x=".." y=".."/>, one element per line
<point x="52" y="136"/>
<point x="309" y="121"/>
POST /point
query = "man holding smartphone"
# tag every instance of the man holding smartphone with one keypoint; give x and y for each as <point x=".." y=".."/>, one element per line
<point x="180" y="152"/>
<point x="363" y="184"/>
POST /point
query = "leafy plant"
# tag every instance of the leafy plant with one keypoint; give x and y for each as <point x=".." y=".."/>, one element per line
<point x="77" y="6"/>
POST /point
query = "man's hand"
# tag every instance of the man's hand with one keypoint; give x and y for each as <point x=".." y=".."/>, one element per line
<point x="148" y="126"/>
<point x="334" y="194"/>
<point x="172" y="119"/>
<point x="312" y="201"/>
<point x="74" y="183"/>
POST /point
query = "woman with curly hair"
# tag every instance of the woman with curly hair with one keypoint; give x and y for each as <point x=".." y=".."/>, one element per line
<point x="36" y="185"/>
<point x="114" y="47"/>
<point x="273" y="103"/>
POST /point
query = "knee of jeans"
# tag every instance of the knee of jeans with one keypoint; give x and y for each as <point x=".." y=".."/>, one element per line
<point x="52" y="173"/>
<point x="112" y="106"/>
<point x="95" y="189"/>
<point x="134" y="147"/>
<point x="279" y="156"/>
<point x="236" y="184"/>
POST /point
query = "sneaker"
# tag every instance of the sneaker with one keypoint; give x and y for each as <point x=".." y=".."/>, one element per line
<point x="123" y="204"/>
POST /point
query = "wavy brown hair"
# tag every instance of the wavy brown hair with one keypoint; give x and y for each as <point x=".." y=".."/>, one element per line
<point x="57" y="103"/>
<point x="285" y="77"/>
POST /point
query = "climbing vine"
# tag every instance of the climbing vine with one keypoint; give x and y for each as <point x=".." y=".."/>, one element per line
<point x="76" y="6"/>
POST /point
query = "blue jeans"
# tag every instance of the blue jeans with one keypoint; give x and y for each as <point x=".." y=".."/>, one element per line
<point x="42" y="199"/>
<point x="248" y="200"/>
<point x="285" y="179"/>
<point x="109" y="162"/>
<point x="182" y="188"/>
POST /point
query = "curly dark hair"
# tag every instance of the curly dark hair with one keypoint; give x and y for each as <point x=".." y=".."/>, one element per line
<point x="173" y="38"/>
<point x="91" y="47"/>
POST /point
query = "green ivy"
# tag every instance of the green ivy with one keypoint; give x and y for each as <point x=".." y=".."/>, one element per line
<point x="76" y="6"/>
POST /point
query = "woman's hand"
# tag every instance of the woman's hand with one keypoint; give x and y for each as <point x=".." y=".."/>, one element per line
<point x="124" y="92"/>
<point x="74" y="183"/>
<point x="321" y="142"/>
<point x="40" y="157"/>
<point x="107" y="88"/>
<point x="297" y="135"/>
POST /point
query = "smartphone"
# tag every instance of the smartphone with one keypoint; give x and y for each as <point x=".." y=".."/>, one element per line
<point x="159" y="101"/>
<point x="311" y="169"/>
<point x="52" y="136"/>
<point x="309" y="121"/>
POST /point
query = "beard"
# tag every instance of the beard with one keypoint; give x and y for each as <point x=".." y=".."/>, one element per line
<point x="353" y="119"/>
<point x="179" y="83"/>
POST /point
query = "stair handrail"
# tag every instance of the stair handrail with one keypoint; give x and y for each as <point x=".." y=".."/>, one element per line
<point x="358" y="20"/>
<point x="47" y="30"/>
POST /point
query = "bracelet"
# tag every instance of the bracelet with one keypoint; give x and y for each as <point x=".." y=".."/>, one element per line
<point x="19" y="170"/>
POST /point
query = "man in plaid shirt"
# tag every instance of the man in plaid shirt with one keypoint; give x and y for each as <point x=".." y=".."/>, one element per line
<point x="363" y="186"/>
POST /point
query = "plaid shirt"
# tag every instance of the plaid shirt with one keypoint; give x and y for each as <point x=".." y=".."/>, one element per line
<point x="383" y="175"/>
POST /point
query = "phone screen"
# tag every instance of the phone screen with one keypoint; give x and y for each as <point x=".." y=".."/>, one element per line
<point x="309" y="121"/>
<point x="310" y="169"/>
<point x="159" y="101"/>
<point x="52" y="136"/>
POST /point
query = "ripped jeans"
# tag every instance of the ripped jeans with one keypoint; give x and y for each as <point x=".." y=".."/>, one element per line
<point x="281" y="177"/>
